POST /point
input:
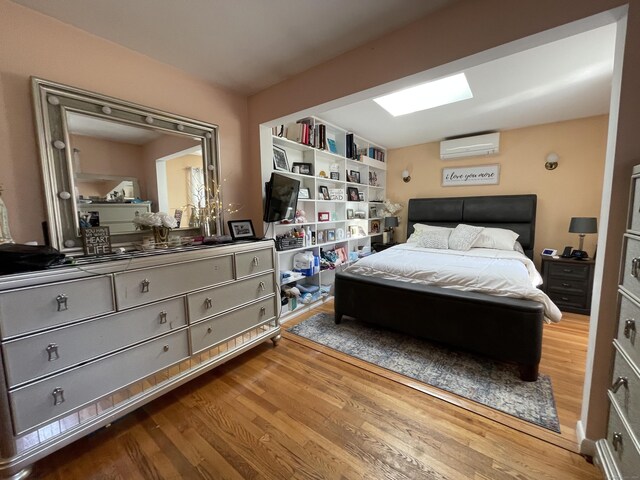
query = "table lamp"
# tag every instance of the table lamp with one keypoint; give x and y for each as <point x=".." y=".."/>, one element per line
<point x="582" y="226"/>
<point x="389" y="224"/>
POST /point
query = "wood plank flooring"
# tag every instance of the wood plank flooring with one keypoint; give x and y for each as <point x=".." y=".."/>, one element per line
<point x="294" y="412"/>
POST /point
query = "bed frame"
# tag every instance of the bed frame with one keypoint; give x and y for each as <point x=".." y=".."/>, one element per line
<point x="508" y="329"/>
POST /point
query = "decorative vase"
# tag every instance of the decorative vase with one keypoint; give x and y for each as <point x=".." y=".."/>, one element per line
<point x="161" y="236"/>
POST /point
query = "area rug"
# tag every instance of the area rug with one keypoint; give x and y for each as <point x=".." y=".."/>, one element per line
<point x="491" y="383"/>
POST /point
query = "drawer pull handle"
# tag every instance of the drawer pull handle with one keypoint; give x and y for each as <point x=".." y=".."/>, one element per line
<point x="144" y="286"/>
<point x="635" y="263"/>
<point x="208" y="303"/>
<point x="52" y="349"/>
<point x="165" y="348"/>
<point x="263" y="310"/>
<point x="617" y="440"/>
<point x="620" y="382"/>
<point x="564" y="299"/>
<point x="567" y="270"/>
<point x="261" y="286"/>
<point x="566" y="284"/>
<point x="58" y="396"/>
<point x="209" y="330"/>
<point x="256" y="261"/>
<point x="62" y="302"/>
<point x="163" y="317"/>
<point x="629" y="326"/>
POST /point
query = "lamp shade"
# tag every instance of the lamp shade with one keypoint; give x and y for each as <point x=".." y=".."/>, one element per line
<point x="390" y="222"/>
<point x="583" y="225"/>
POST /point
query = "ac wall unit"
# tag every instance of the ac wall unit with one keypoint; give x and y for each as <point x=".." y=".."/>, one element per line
<point x="475" y="146"/>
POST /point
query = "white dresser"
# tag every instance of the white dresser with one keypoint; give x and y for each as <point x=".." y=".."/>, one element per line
<point x="619" y="453"/>
<point x="83" y="345"/>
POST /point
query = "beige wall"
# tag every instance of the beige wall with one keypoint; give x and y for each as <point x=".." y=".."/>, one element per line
<point x="574" y="189"/>
<point x="34" y="44"/>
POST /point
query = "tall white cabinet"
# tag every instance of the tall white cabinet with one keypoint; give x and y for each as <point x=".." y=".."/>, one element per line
<point x="342" y="222"/>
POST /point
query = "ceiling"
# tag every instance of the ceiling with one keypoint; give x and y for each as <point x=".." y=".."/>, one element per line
<point x="248" y="45"/>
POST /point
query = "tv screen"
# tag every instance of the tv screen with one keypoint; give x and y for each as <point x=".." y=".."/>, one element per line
<point x="281" y="198"/>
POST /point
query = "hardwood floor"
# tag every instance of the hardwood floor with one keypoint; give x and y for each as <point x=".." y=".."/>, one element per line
<point x="294" y="412"/>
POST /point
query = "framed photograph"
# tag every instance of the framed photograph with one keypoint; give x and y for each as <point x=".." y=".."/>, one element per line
<point x="349" y="213"/>
<point x="373" y="211"/>
<point x="354" y="176"/>
<point x="336" y="194"/>
<point x="331" y="235"/>
<point x="335" y="175"/>
<point x="280" y="161"/>
<point x="320" y="236"/>
<point x="324" y="191"/>
<point x="373" y="178"/>
<point x="352" y="194"/>
<point x="240" y="229"/>
<point x="361" y="214"/>
<point x="304" y="193"/>
<point x="375" y="226"/>
<point x="353" y="231"/>
<point x="323" y="216"/>
<point x="304" y="168"/>
<point x="361" y="196"/>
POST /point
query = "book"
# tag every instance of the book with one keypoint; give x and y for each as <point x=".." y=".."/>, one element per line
<point x="349" y="145"/>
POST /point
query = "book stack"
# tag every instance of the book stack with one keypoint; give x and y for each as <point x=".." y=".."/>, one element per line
<point x="376" y="153"/>
<point x="351" y="147"/>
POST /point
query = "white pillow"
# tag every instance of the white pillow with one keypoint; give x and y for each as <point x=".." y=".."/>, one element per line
<point x="434" y="238"/>
<point x="420" y="228"/>
<point x="464" y="236"/>
<point x="499" y="238"/>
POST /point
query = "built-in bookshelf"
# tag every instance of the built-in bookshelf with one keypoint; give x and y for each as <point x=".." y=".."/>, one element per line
<point x="345" y="195"/>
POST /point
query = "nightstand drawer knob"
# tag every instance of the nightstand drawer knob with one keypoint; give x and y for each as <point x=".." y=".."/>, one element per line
<point x="566" y="285"/>
<point x="617" y="440"/>
<point x="620" y="382"/>
<point x="567" y="270"/>
<point x="564" y="299"/>
<point x="629" y="326"/>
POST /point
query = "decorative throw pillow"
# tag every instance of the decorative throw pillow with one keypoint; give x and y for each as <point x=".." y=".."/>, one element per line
<point x="434" y="239"/>
<point x="464" y="236"/>
<point x="420" y="228"/>
<point x="499" y="238"/>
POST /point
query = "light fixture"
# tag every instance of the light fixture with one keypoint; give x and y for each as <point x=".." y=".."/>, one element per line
<point x="406" y="178"/>
<point x="582" y="226"/>
<point x="389" y="224"/>
<point x="427" y="95"/>
<point x="552" y="161"/>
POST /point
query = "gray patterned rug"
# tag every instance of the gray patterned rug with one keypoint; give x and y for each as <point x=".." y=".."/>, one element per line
<point x="482" y="380"/>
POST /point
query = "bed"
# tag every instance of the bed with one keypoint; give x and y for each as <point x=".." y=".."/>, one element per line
<point x="501" y="327"/>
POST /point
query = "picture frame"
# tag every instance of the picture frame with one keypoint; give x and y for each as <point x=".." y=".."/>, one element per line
<point x="360" y="214"/>
<point x="331" y="235"/>
<point x="354" y="176"/>
<point x="324" y="191"/>
<point x="373" y="179"/>
<point x="304" y="194"/>
<point x="361" y="196"/>
<point x="323" y="216"/>
<point x="331" y="144"/>
<point x="280" y="161"/>
<point x="336" y="194"/>
<point x="350" y="213"/>
<point x="353" y="231"/>
<point x="96" y="240"/>
<point x="320" y="237"/>
<point x="373" y="211"/>
<point x="334" y="175"/>
<point x="375" y="226"/>
<point x="241" y="229"/>
<point x="304" y="168"/>
<point x="353" y="194"/>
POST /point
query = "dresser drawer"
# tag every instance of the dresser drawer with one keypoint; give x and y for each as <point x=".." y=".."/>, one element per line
<point x="634" y="212"/>
<point x="45" y="353"/>
<point x="33" y="404"/>
<point x="621" y="446"/>
<point x="37" y="308"/>
<point x="631" y="266"/>
<point x="211" y="332"/>
<point x="625" y="391"/>
<point x="569" y="270"/>
<point x="250" y="263"/>
<point x="147" y="285"/>
<point x="216" y="300"/>
<point x="628" y="337"/>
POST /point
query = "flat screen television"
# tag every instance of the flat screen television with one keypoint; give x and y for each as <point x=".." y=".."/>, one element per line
<point x="281" y="198"/>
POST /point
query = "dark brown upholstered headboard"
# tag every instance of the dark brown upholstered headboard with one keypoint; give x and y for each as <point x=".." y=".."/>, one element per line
<point x="514" y="212"/>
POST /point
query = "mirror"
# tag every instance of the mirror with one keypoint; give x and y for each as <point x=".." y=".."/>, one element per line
<point x="105" y="160"/>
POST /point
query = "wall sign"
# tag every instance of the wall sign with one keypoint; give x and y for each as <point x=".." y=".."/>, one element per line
<point x="481" y="175"/>
<point x="96" y="240"/>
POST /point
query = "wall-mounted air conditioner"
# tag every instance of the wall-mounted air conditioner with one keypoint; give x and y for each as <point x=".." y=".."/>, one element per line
<point x="477" y="145"/>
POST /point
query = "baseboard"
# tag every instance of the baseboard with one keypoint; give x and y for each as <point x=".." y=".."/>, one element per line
<point x="586" y="446"/>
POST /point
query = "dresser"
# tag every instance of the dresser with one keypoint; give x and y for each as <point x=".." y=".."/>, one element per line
<point x="568" y="282"/>
<point x="619" y="453"/>
<point x="83" y="345"/>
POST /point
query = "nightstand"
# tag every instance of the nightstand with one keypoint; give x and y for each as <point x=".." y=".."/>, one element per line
<point x="568" y="283"/>
<point x="378" y="247"/>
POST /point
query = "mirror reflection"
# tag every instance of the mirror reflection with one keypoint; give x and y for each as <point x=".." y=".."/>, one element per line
<point x="120" y="171"/>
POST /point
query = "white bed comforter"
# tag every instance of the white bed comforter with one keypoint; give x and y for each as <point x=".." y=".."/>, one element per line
<point x="495" y="272"/>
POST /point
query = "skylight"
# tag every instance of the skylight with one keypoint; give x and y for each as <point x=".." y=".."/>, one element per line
<point x="427" y="95"/>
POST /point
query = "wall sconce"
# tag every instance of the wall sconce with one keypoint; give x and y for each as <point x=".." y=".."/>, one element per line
<point x="552" y="161"/>
<point x="406" y="178"/>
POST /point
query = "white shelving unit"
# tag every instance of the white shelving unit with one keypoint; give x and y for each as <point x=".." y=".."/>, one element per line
<point x="352" y="224"/>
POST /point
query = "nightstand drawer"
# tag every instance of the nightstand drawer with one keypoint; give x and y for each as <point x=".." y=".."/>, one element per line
<point x="628" y="325"/>
<point x="568" y="300"/>
<point x="569" y="270"/>
<point x="568" y="285"/>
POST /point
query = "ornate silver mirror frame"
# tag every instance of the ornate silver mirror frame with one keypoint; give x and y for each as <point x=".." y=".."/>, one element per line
<point x="52" y="104"/>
